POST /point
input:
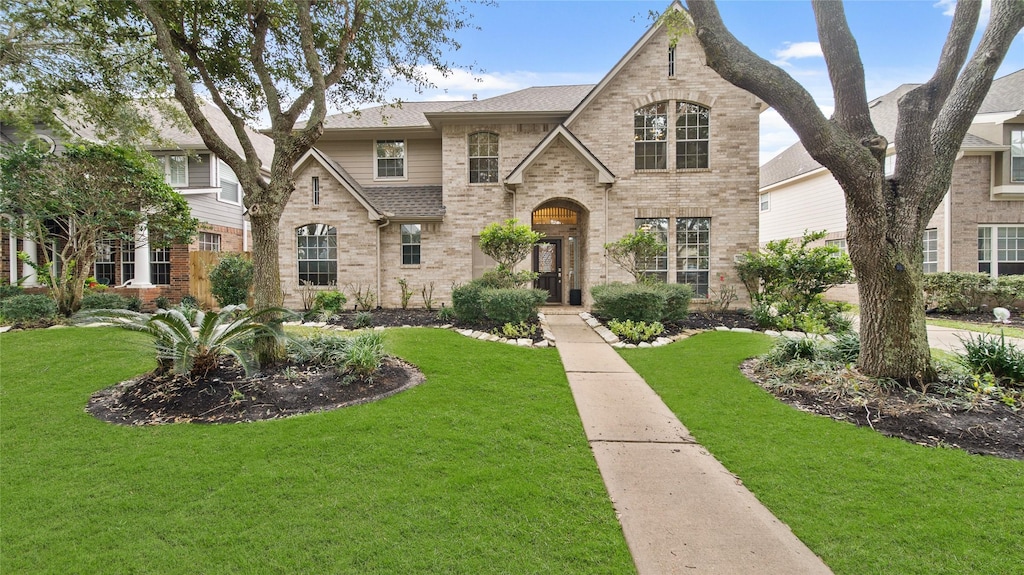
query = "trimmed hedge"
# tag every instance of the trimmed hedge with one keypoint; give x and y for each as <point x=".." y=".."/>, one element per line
<point x="467" y="302"/>
<point x="642" y="302"/>
<point x="510" y="305"/>
<point x="29" y="307"/>
<point x="105" y="301"/>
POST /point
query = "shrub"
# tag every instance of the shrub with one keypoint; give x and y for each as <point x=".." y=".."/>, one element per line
<point x="366" y="299"/>
<point x="406" y="292"/>
<point x="105" y="301"/>
<point x="634" y="253"/>
<point x="190" y="301"/>
<point x="320" y="349"/>
<point x="511" y="305"/>
<point x="363" y="319"/>
<point x="467" y="302"/>
<point x="677" y="301"/>
<point x="446" y="314"/>
<point x="1009" y="290"/>
<point x="787" y="349"/>
<point x="27" y="307"/>
<point x="516" y="330"/>
<point x="135" y="303"/>
<point x="10" y="290"/>
<point x="231" y="279"/>
<point x="635" y="332"/>
<point x="956" y="292"/>
<point x="846" y="348"/>
<point x="330" y="301"/>
<point x="508" y="244"/>
<point x="637" y="302"/>
<point x="162" y="302"/>
<point x="365" y="354"/>
<point x="991" y="354"/>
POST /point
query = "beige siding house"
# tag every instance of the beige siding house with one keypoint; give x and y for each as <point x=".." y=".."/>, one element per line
<point x="978" y="227"/>
<point x="662" y="142"/>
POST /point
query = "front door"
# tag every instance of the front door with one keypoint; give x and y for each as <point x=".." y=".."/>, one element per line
<point x="547" y="261"/>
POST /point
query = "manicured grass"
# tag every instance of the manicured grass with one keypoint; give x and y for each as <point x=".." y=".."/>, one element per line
<point x="863" y="502"/>
<point x="980" y="328"/>
<point x="484" y="468"/>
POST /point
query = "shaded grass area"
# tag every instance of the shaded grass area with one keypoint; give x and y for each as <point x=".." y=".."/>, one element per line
<point x="863" y="502"/>
<point x="977" y="327"/>
<point x="484" y="468"/>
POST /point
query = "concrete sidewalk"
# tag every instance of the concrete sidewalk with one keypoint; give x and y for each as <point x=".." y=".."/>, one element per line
<point x="681" y="510"/>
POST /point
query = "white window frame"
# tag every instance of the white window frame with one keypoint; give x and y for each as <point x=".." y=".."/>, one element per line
<point x="160" y="258"/>
<point x="671" y="61"/>
<point x="208" y="242"/>
<point x="315" y="186"/>
<point x="684" y="253"/>
<point x="765" y="202"/>
<point x="165" y="162"/>
<point x="127" y="260"/>
<point x="408" y="255"/>
<point x="660" y="227"/>
<point x="470" y="145"/>
<point x="324" y="246"/>
<point x="226" y="174"/>
<point x="106" y="256"/>
<point x="1017" y="153"/>
<point x="994" y="247"/>
<point x="647" y="134"/>
<point x="377" y="158"/>
<point x="930" y="251"/>
<point x="682" y="109"/>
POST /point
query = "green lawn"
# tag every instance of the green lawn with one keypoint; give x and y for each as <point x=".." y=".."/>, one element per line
<point x="865" y="503"/>
<point x="994" y="328"/>
<point x="482" y="469"/>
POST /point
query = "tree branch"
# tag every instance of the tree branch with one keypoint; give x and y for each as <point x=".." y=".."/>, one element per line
<point x="845" y="69"/>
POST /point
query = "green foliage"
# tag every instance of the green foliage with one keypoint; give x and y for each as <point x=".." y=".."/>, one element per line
<point x="27" y="307"/>
<point x="643" y="302"/>
<point x="360" y="355"/>
<point x="365" y="354"/>
<point x="511" y="305"/>
<point x="786" y="283"/>
<point x="677" y="301"/>
<point x="162" y="302"/>
<point x="365" y="298"/>
<point x="406" y="292"/>
<point x="1008" y="292"/>
<point x="498" y="278"/>
<point x="362" y="320"/>
<point x="329" y="300"/>
<point x="190" y="301"/>
<point x="467" y="302"/>
<point x="635" y="252"/>
<point x="105" y="301"/>
<point x="88" y="193"/>
<point x="508" y="244"/>
<point x="135" y="303"/>
<point x="990" y="354"/>
<point x="516" y="330"/>
<point x="231" y="279"/>
<point x="843" y="351"/>
<point x="635" y="332"/>
<point x="195" y="352"/>
<point x="962" y="292"/>
<point x="8" y="290"/>
<point x="446" y="313"/>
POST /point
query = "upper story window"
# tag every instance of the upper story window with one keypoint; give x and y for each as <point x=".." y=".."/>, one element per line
<point x="671" y="61"/>
<point x="692" y="136"/>
<point x="766" y="201"/>
<point x="1017" y="156"/>
<point x="890" y="165"/>
<point x="650" y="131"/>
<point x="175" y="169"/>
<point x="315" y="184"/>
<point x="390" y="159"/>
<point x="483" y="158"/>
<point x="229" y="189"/>
<point x="317" y="254"/>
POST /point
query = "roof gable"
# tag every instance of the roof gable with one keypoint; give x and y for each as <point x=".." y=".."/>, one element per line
<point x="343" y="178"/>
<point x="604" y="175"/>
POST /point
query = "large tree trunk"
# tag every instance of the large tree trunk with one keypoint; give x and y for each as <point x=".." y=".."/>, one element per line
<point x="266" y="278"/>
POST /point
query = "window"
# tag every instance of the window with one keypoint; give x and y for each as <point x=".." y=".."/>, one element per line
<point x="931" y="251"/>
<point x="229" y="190"/>
<point x="390" y="159"/>
<point x="209" y="242"/>
<point x="127" y="261"/>
<point x="1017" y="156"/>
<point x="692" y="135"/>
<point x="105" y="266"/>
<point x="315" y="184"/>
<point x="658" y="266"/>
<point x="175" y="170"/>
<point x="650" y="131"/>
<point x="160" y="265"/>
<point x="1005" y="255"/>
<point x="483" y="158"/>
<point x="317" y="254"/>
<point x="693" y="253"/>
<point x="890" y="165"/>
<point x="840" y="243"/>
<point x="766" y="202"/>
<point x="671" y="61"/>
<point x="410" y="244"/>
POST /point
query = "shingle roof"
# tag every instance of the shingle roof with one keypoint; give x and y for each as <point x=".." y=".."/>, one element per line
<point x="1006" y="94"/>
<point x="407" y="202"/>
<point x="536" y="99"/>
<point x="406" y="115"/>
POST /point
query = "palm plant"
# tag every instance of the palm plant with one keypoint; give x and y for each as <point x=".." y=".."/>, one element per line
<point x="191" y="341"/>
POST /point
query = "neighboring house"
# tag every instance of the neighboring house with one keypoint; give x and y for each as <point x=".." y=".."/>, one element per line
<point x="142" y="268"/>
<point x="662" y="143"/>
<point x="978" y="227"/>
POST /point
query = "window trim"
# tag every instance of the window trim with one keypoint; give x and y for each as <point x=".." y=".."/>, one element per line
<point x="925" y="251"/>
<point x="706" y="271"/>
<point x="764" y="202"/>
<point x="638" y="131"/>
<point x="332" y="274"/>
<point x="205" y="245"/>
<point x="671" y="61"/>
<point x="1020" y="144"/>
<point x="661" y="262"/>
<point x="698" y="140"/>
<point x="106" y="256"/>
<point x="416" y="254"/>
<point x="222" y="170"/>
<point x="992" y="240"/>
<point x="377" y="158"/>
<point x="165" y="162"/>
<point x="155" y="261"/>
<point x="314" y="184"/>
<point x="470" y="157"/>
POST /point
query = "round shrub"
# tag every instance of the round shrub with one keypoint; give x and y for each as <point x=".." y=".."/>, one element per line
<point x="105" y="301"/>
<point x="511" y="305"/>
<point x="29" y="307"/>
<point x="677" y="301"/>
<point x="331" y="301"/>
<point x="467" y="302"/>
<point x="231" y="279"/>
<point x="637" y="302"/>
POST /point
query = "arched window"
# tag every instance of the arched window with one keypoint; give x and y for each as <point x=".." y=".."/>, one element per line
<point x="692" y="136"/>
<point x="483" y="158"/>
<point x="650" y="134"/>
<point x="317" y="254"/>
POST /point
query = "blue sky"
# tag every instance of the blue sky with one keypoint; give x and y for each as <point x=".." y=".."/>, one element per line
<point x="522" y="43"/>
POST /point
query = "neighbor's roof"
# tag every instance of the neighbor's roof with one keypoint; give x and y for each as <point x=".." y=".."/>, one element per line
<point x="404" y="115"/>
<point x="1006" y="94"/>
<point x="555" y="99"/>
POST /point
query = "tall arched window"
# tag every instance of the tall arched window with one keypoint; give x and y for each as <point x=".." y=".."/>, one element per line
<point x="692" y="136"/>
<point x="317" y="254"/>
<point x="483" y="158"/>
<point x="650" y="134"/>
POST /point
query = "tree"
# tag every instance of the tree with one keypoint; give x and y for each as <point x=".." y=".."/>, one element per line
<point x="91" y="192"/>
<point x="636" y="253"/>
<point x="886" y="217"/>
<point x="508" y="244"/>
<point x="285" y="58"/>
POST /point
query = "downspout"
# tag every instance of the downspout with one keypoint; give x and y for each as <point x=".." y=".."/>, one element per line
<point x="947" y="233"/>
<point x="607" y="188"/>
<point x="380" y="295"/>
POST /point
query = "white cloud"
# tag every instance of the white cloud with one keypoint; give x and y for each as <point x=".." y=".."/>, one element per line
<point x="796" y="51"/>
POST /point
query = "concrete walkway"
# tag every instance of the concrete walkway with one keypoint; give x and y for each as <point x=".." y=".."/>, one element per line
<point x="681" y="510"/>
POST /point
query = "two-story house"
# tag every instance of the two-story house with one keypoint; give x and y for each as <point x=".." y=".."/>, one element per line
<point x="143" y="268"/>
<point x="978" y="227"/>
<point x="661" y="142"/>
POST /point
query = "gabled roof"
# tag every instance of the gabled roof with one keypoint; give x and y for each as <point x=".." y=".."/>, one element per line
<point x="604" y="175"/>
<point x="1005" y="93"/>
<point x="342" y="176"/>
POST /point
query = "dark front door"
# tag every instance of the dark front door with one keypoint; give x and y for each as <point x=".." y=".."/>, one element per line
<point x="547" y="261"/>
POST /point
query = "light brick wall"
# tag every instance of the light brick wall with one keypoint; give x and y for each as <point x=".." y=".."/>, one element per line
<point x="972" y="206"/>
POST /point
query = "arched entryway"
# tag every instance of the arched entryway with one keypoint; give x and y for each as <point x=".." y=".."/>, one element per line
<point x="558" y="257"/>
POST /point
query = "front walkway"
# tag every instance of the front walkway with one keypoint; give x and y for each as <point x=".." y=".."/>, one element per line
<point x="681" y="511"/>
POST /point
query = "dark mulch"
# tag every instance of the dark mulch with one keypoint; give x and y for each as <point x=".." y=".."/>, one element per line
<point x="989" y="429"/>
<point x="705" y="320"/>
<point x="420" y="318"/>
<point x="225" y="395"/>
<point x="983" y="317"/>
